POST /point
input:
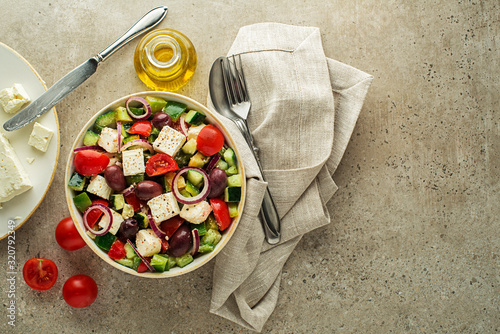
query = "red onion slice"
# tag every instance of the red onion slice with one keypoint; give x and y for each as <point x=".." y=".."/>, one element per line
<point x="119" y="129"/>
<point x="196" y="242"/>
<point x="191" y="200"/>
<point x="150" y="267"/>
<point x="162" y="235"/>
<point x="107" y="213"/>
<point x="128" y="190"/>
<point x="213" y="162"/>
<point x="139" y="142"/>
<point x="142" y="101"/>
<point x="93" y="147"/>
<point x="184" y="128"/>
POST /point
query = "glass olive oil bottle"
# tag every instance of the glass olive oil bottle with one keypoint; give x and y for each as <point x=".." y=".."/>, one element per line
<point x="165" y="59"/>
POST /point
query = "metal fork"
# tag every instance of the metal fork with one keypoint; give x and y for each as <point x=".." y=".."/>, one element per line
<point x="239" y="102"/>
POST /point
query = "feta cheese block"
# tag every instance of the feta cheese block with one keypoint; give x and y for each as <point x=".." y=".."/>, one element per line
<point x="14" y="98"/>
<point x="169" y="141"/>
<point x="163" y="207"/>
<point x="99" y="187"/>
<point x="196" y="213"/>
<point x="115" y="225"/>
<point x="108" y="140"/>
<point x="147" y="243"/>
<point x="133" y="162"/>
<point x="13" y="178"/>
<point x="40" y="137"/>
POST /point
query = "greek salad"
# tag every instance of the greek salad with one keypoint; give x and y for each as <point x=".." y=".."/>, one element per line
<point x="157" y="185"/>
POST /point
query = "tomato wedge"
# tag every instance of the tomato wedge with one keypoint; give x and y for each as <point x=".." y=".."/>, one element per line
<point x="40" y="274"/>
<point x="132" y="199"/>
<point x="160" y="164"/>
<point x="142" y="128"/>
<point x="210" y="140"/>
<point x="95" y="214"/>
<point x="89" y="162"/>
<point x="117" y="250"/>
<point x="171" y="225"/>
<point x="221" y="213"/>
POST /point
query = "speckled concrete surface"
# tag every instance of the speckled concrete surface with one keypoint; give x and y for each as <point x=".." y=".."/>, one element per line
<point x="414" y="243"/>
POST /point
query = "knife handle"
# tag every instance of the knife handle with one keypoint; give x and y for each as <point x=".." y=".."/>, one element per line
<point x="268" y="213"/>
<point x="147" y="22"/>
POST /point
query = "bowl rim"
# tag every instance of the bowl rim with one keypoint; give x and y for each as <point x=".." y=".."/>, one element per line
<point x="77" y="216"/>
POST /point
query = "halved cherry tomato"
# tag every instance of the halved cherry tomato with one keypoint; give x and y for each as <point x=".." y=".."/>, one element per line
<point x="142" y="128"/>
<point x="221" y="213"/>
<point x="160" y="164"/>
<point x="80" y="291"/>
<point x="117" y="250"/>
<point x="95" y="214"/>
<point x="90" y="162"/>
<point x="171" y="225"/>
<point x="210" y="140"/>
<point x="67" y="235"/>
<point x="40" y="274"/>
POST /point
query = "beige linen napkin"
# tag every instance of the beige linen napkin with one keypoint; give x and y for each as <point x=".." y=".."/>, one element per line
<point x="304" y="108"/>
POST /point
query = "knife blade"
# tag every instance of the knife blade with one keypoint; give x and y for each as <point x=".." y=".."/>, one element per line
<point x="77" y="76"/>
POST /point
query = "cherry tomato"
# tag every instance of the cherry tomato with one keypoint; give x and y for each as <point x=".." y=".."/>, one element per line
<point x="210" y="140"/>
<point x="80" y="291"/>
<point x="142" y="267"/>
<point x="117" y="250"/>
<point x="40" y="274"/>
<point x="95" y="214"/>
<point x="142" y="128"/>
<point x="67" y="235"/>
<point x="160" y="164"/>
<point x="171" y="225"/>
<point x="221" y="213"/>
<point x="90" y="162"/>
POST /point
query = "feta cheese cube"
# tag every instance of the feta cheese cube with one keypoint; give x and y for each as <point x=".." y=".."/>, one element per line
<point x="196" y="213"/>
<point x="40" y="137"/>
<point x="169" y="141"/>
<point x="99" y="187"/>
<point x="133" y="162"/>
<point x="108" y="140"/>
<point x="13" y="178"/>
<point x="12" y="99"/>
<point x="194" y="131"/>
<point x="115" y="225"/>
<point x="147" y="243"/>
<point x="163" y="207"/>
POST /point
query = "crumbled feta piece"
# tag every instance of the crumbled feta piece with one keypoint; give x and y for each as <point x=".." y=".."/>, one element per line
<point x="128" y="211"/>
<point x="169" y="141"/>
<point x="163" y="207"/>
<point x="30" y="160"/>
<point x="99" y="187"/>
<point x="147" y="243"/>
<point x="133" y="162"/>
<point x="14" y="98"/>
<point x="115" y="225"/>
<point x="40" y="137"/>
<point x="108" y="140"/>
<point x="194" y="131"/>
<point x="13" y="178"/>
<point x="196" y="213"/>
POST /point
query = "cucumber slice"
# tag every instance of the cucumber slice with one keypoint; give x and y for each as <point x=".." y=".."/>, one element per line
<point x="106" y="120"/>
<point x="212" y="237"/>
<point x="142" y="220"/>
<point x="174" y="109"/>
<point x="230" y="157"/>
<point x="232" y="194"/>
<point x="202" y="228"/>
<point x="160" y="263"/>
<point x="184" y="260"/>
<point x="77" y="182"/>
<point x="126" y="262"/>
<point x="206" y="248"/>
<point x="130" y="138"/>
<point x="191" y="189"/>
<point x="105" y="241"/>
<point x="117" y="201"/>
<point x="221" y="164"/>
<point x="195" y="117"/>
<point x="196" y="178"/>
<point x="234" y="180"/>
<point x="232" y="170"/>
<point x="131" y="179"/>
<point x="129" y="251"/>
<point x="91" y="138"/>
<point x="233" y="209"/>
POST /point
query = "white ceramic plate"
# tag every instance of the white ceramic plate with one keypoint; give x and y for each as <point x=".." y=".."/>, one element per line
<point x="15" y="69"/>
<point x="199" y="260"/>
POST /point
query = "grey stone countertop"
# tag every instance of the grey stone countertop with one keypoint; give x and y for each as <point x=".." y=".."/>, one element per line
<point x="414" y="241"/>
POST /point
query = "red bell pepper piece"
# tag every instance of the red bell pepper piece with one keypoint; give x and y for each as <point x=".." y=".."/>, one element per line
<point x="117" y="250"/>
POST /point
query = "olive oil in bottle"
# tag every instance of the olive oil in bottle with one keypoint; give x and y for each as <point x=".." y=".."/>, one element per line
<point x="165" y="59"/>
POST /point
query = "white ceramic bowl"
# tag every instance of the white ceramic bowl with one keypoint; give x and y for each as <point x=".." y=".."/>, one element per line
<point x="200" y="259"/>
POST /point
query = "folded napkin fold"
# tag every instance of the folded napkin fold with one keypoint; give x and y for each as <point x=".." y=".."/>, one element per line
<point x="304" y="109"/>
